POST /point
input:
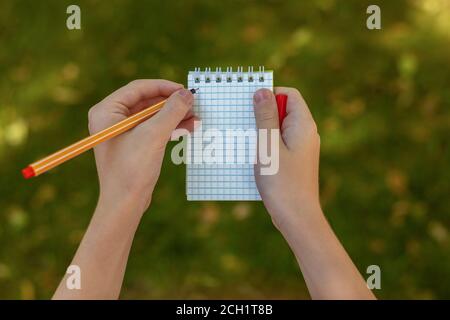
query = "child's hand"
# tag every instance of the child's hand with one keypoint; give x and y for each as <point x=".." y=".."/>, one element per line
<point x="129" y="165"/>
<point x="292" y="198"/>
<point x="295" y="186"/>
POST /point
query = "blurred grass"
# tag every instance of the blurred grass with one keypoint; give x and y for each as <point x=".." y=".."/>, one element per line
<point x="380" y="99"/>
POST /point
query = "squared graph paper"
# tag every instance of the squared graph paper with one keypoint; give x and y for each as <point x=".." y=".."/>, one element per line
<point x="224" y="101"/>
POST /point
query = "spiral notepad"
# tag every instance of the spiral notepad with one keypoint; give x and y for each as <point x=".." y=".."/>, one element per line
<point x="224" y="104"/>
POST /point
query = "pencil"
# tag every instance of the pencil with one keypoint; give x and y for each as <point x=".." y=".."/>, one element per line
<point x="61" y="156"/>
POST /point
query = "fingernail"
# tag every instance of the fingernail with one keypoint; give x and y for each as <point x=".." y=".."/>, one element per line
<point x="186" y="95"/>
<point x="197" y="123"/>
<point x="261" y="95"/>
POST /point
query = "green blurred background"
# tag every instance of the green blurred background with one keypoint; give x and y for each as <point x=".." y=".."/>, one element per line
<point x="380" y="99"/>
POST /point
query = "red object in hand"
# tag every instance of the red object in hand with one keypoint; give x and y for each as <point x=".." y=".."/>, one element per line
<point x="281" y="103"/>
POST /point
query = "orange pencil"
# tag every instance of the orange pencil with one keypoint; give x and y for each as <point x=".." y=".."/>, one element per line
<point x="81" y="146"/>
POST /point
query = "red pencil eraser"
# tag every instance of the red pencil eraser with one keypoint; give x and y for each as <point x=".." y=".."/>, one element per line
<point x="281" y="103"/>
<point x="28" y="172"/>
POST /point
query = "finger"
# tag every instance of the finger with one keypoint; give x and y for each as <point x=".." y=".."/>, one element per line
<point x="188" y="124"/>
<point x="266" y="115"/>
<point x="149" y="102"/>
<point x="127" y="100"/>
<point x="297" y="110"/>
<point x="178" y="105"/>
<point x="190" y="114"/>
<point x="265" y="108"/>
<point x="185" y="126"/>
<point x="145" y="104"/>
<point x="298" y="123"/>
<point x="140" y="90"/>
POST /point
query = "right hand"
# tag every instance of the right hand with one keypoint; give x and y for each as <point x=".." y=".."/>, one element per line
<point x="129" y="165"/>
<point x="295" y="188"/>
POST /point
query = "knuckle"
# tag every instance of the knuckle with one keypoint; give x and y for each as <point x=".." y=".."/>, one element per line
<point x="265" y="113"/>
<point x="291" y="91"/>
<point x="96" y="118"/>
<point x="130" y="95"/>
<point x="179" y="105"/>
<point x="92" y="113"/>
<point x="133" y="85"/>
<point x="135" y="82"/>
<point x="92" y="116"/>
<point x="295" y="93"/>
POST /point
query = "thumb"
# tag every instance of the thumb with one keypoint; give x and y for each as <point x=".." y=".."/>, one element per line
<point x="265" y="108"/>
<point x="266" y="115"/>
<point x="172" y="113"/>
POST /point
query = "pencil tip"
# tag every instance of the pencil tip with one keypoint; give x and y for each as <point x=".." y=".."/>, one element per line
<point x="194" y="90"/>
<point x="28" y="172"/>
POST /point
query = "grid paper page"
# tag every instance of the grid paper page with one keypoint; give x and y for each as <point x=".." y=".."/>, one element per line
<point x="224" y="101"/>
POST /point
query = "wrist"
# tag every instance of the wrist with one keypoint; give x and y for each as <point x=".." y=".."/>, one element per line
<point x="129" y="200"/>
<point x="125" y="210"/>
<point x="299" y="212"/>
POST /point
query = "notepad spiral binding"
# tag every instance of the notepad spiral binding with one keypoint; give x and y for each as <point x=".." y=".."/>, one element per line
<point x="208" y="75"/>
